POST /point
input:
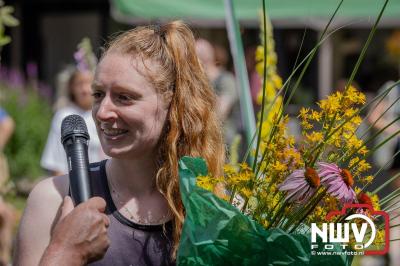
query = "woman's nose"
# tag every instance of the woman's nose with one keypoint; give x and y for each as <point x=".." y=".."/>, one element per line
<point x="106" y="109"/>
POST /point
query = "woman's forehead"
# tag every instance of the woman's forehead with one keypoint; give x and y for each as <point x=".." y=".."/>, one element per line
<point x="117" y="68"/>
<point x="120" y="62"/>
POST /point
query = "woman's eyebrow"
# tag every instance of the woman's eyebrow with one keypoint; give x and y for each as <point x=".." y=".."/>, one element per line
<point x="96" y="86"/>
<point x="128" y="89"/>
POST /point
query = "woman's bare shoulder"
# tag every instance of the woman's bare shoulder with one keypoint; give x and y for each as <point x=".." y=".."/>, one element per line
<point x="45" y="200"/>
<point x="40" y="215"/>
<point x="50" y="190"/>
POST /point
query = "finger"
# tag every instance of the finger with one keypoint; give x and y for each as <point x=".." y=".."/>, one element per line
<point x="97" y="203"/>
<point x="106" y="220"/>
<point x="66" y="207"/>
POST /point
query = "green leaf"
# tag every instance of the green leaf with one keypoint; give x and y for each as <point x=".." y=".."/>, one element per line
<point x="4" y="40"/>
<point x="7" y="17"/>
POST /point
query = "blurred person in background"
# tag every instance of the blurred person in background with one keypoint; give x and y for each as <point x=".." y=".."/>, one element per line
<point x="6" y="131"/>
<point x="224" y="85"/>
<point x="7" y="217"/>
<point x="255" y="80"/>
<point x="80" y="102"/>
<point x="383" y="114"/>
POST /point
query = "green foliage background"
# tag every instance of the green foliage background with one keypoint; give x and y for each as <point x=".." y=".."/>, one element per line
<point x="32" y="116"/>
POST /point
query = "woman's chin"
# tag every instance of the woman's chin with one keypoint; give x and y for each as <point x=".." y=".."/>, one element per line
<point x="128" y="154"/>
<point x="116" y="153"/>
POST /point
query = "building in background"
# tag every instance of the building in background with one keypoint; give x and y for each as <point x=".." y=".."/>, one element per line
<point x="50" y="30"/>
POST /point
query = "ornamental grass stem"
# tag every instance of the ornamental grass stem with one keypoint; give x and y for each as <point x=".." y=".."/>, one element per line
<point x="349" y="82"/>
<point x="392" y="195"/>
<point x="345" y="156"/>
<point x="307" y="60"/>
<point x="387" y="209"/>
<point x="278" y="213"/>
<point x="380" y="170"/>
<point x="386" y="183"/>
<point x="370" y="139"/>
<point x="264" y="86"/>
<point x="317" y="200"/>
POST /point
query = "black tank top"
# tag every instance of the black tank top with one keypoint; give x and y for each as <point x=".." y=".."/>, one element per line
<point x="130" y="243"/>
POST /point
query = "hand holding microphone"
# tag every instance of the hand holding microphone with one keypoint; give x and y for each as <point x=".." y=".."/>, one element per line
<point x="80" y="235"/>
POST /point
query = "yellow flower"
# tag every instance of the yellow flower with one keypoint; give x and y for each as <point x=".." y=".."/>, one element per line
<point x="306" y="125"/>
<point x="363" y="150"/>
<point x="277" y="80"/>
<point x="380" y="237"/>
<point x="272" y="59"/>
<point x="353" y="161"/>
<point x="246" y="192"/>
<point x="304" y="113"/>
<point x="244" y="167"/>
<point x="356" y="120"/>
<point x="315" y="136"/>
<point x="331" y="203"/>
<point x="349" y="112"/>
<point x="205" y="182"/>
<point x="354" y="142"/>
<point x="354" y="96"/>
<point x="318" y="211"/>
<point x="369" y="178"/>
<point x="363" y="166"/>
<point x="315" y="115"/>
<point x="260" y="54"/>
<point x="279" y="167"/>
<point x="244" y="176"/>
<point x="229" y="169"/>
<point x="375" y="202"/>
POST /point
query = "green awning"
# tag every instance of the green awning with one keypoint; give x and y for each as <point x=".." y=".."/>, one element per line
<point x="210" y="11"/>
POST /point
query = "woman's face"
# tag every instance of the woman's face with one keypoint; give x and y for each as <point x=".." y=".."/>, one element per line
<point x="127" y="109"/>
<point x="81" y="89"/>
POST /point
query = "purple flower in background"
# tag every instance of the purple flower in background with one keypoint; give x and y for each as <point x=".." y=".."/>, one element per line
<point x="80" y="60"/>
<point x="32" y="70"/>
<point x="338" y="181"/>
<point x="3" y="73"/>
<point x="300" y="185"/>
<point x="15" y="78"/>
<point x="45" y="91"/>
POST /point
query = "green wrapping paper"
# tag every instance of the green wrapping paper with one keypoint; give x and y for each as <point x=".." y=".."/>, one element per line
<point x="217" y="233"/>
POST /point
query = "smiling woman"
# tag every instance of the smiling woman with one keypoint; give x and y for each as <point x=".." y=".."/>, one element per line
<point x="152" y="105"/>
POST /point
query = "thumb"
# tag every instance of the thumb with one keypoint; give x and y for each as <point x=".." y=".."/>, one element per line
<point x="66" y="207"/>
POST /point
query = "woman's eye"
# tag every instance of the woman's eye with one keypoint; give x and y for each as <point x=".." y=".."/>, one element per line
<point x="124" y="98"/>
<point x="97" y="95"/>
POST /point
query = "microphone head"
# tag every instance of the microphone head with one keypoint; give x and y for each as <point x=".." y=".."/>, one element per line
<point x="73" y="125"/>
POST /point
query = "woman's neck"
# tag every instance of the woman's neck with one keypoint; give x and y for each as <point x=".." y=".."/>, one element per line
<point x="134" y="191"/>
<point x="133" y="178"/>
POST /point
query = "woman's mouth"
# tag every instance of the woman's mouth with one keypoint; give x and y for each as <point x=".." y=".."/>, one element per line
<point x="113" y="132"/>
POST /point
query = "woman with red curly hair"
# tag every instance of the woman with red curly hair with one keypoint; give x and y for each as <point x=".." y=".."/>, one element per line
<point x="152" y="105"/>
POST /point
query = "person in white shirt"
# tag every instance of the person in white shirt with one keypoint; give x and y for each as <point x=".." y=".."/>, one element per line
<point x="80" y="95"/>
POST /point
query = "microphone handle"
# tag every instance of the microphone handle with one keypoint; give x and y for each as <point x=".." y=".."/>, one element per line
<point x="78" y="165"/>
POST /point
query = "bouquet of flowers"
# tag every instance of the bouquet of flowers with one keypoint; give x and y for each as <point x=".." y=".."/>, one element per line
<point x="291" y="187"/>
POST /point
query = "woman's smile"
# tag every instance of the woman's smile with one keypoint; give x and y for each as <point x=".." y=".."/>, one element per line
<point x="113" y="131"/>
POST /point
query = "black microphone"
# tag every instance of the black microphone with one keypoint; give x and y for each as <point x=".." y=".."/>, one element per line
<point x="75" y="139"/>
